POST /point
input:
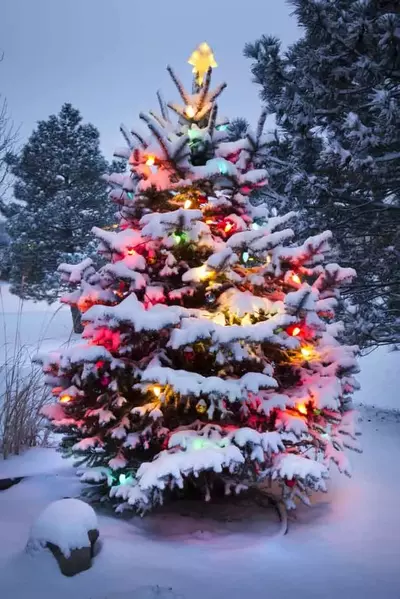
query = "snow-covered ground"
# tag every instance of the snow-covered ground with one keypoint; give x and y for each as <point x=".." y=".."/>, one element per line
<point x="346" y="545"/>
<point x="31" y="325"/>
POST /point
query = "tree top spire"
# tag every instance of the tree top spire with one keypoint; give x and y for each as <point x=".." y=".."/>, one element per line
<point x="202" y="59"/>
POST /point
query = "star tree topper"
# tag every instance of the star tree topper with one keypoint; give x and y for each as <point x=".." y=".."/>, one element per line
<point x="202" y="59"/>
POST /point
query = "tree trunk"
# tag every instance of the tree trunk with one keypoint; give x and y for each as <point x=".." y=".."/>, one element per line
<point x="76" y="320"/>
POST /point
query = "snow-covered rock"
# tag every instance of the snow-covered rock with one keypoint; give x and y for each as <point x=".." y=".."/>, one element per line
<point x="68" y="528"/>
<point x="64" y="523"/>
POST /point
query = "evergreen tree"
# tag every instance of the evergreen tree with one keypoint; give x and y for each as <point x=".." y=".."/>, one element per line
<point x="4" y="241"/>
<point x="210" y="357"/>
<point x="237" y="129"/>
<point x="61" y="194"/>
<point x="335" y="94"/>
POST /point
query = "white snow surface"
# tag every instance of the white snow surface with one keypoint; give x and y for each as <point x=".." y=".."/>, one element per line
<point x="37" y="460"/>
<point x="64" y="523"/>
<point x="31" y="326"/>
<point x="345" y="545"/>
<point x="380" y="379"/>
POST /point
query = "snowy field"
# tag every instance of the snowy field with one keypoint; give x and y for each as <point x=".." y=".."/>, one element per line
<point x="346" y="545"/>
<point x="31" y="325"/>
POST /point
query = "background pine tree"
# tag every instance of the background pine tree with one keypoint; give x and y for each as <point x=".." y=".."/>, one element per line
<point x="336" y="97"/>
<point x="61" y="194"/>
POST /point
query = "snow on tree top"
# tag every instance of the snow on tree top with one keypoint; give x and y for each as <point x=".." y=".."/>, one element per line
<point x="215" y="168"/>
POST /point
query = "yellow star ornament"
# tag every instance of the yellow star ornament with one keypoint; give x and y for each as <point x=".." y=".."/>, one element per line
<point x="202" y="59"/>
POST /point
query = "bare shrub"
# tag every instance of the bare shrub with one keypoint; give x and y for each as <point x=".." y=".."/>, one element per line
<point x="8" y="138"/>
<point x="22" y="397"/>
<point x="22" y="392"/>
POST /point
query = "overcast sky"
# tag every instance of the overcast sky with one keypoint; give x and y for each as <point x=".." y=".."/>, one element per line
<point x="108" y="57"/>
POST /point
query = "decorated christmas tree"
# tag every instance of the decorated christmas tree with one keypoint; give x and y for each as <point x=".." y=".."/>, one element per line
<point x="210" y="359"/>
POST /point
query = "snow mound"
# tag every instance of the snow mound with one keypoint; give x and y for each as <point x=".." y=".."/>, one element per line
<point x="64" y="523"/>
<point x="34" y="461"/>
<point x="380" y="379"/>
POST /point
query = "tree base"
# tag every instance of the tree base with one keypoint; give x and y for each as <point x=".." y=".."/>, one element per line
<point x="265" y="499"/>
<point x="251" y="513"/>
<point x="76" y="321"/>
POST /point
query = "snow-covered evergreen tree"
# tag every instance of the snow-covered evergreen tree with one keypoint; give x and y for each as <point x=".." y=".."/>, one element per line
<point x="336" y="97"/>
<point x="210" y="358"/>
<point x="61" y="195"/>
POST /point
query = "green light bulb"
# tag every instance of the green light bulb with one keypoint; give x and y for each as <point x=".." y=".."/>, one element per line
<point x="223" y="169"/>
<point x="180" y="237"/>
<point x="198" y="444"/>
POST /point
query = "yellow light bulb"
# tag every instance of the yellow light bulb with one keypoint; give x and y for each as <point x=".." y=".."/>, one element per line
<point x="296" y="279"/>
<point x="187" y="204"/>
<point x="204" y="273"/>
<point x="302" y="408"/>
<point x="306" y="352"/>
<point x="150" y="160"/>
<point x="190" y="111"/>
<point x="157" y="391"/>
<point x="65" y="398"/>
<point x="201" y="406"/>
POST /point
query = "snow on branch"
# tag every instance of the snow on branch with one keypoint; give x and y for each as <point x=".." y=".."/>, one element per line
<point x="158" y="224"/>
<point x="189" y="383"/>
<point x="132" y="312"/>
<point x="120" y="241"/>
<point x="75" y="273"/>
<point x="196" y="329"/>
<point x="290" y="466"/>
